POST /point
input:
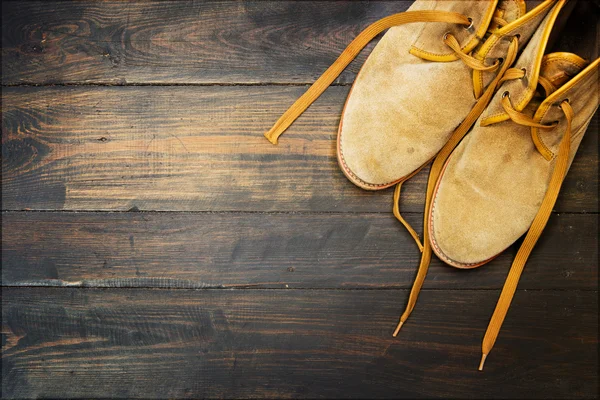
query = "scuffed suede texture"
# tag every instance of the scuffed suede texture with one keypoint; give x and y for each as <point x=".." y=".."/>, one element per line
<point x="390" y="126"/>
<point x="496" y="179"/>
<point x="402" y="109"/>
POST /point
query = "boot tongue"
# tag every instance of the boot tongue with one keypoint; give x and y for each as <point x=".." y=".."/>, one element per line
<point x="558" y="68"/>
<point x="508" y="10"/>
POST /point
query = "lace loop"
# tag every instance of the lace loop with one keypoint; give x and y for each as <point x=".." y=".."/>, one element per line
<point x="511" y="74"/>
<point x="470" y="61"/>
<point x="518" y="117"/>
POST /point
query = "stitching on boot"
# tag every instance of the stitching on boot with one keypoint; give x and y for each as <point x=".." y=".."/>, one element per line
<point x="434" y="243"/>
<point x="347" y="170"/>
<point x="439" y="251"/>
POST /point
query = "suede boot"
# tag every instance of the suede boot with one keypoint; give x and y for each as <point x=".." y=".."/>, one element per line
<point x="420" y="82"/>
<point x="502" y="180"/>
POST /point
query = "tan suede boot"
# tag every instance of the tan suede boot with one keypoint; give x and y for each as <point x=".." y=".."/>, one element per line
<point x="415" y="89"/>
<point x="503" y="179"/>
<point x="490" y="49"/>
<point x="419" y="82"/>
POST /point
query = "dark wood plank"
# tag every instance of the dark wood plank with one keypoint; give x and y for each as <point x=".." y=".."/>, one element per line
<point x="115" y="42"/>
<point x="293" y="344"/>
<point x="198" y="149"/>
<point x="182" y="250"/>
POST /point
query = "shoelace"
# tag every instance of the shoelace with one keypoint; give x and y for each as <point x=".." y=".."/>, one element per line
<point x="360" y="42"/>
<point x="515" y="73"/>
<point x="436" y="169"/>
<point x="353" y="49"/>
<point x="540" y="219"/>
<point x="538" y="224"/>
<point x="475" y="64"/>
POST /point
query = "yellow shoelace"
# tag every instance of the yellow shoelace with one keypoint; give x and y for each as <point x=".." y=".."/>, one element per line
<point x="358" y="44"/>
<point x="472" y="63"/>
<point x="354" y="49"/>
<point x="540" y="219"/>
<point x="538" y="224"/>
<point x="321" y="84"/>
<point x="436" y="168"/>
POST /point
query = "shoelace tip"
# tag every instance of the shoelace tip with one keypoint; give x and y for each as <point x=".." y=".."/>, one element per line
<point x="398" y="329"/>
<point x="483" y="357"/>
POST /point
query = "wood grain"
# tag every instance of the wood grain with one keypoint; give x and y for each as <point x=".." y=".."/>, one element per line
<point x="63" y="342"/>
<point x="268" y="274"/>
<point x="198" y="149"/>
<point x="115" y="42"/>
<point x="255" y="250"/>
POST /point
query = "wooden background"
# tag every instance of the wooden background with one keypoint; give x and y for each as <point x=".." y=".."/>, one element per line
<point x="155" y="245"/>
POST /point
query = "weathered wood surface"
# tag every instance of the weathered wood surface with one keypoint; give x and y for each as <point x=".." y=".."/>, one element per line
<point x="275" y="277"/>
<point x="198" y="149"/>
<point x="115" y="42"/>
<point x="66" y="342"/>
<point x="200" y="250"/>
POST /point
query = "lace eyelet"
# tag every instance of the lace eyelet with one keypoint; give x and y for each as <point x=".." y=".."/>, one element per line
<point x="567" y="100"/>
<point x="524" y="73"/>
<point x="506" y="94"/>
<point x="445" y="36"/>
<point x="468" y="28"/>
<point x="517" y="36"/>
<point x="500" y="60"/>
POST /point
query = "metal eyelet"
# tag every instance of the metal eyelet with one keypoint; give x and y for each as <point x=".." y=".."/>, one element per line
<point x="471" y="25"/>
<point x="506" y="94"/>
<point x="445" y="36"/>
